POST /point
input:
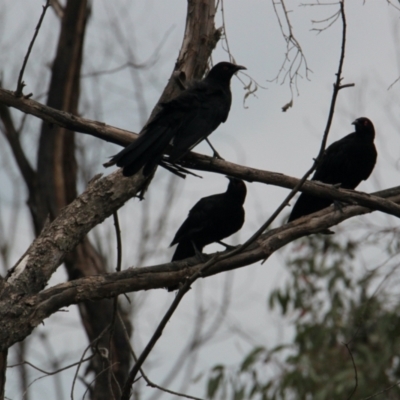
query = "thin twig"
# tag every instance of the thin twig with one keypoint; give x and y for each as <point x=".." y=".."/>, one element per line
<point x="391" y="4"/>
<point x="144" y="376"/>
<point x="58" y="8"/>
<point x="51" y="372"/>
<point x="251" y="87"/>
<point x="119" y="241"/>
<point x="317" y="4"/>
<point x="336" y="86"/>
<point x="157" y="334"/>
<point x="392" y="84"/>
<point x="155" y="386"/>
<point x="225" y="37"/>
<point x="382" y="391"/>
<point x="21" y="84"/>
<point x="114" y="70"/>
<point x="46" y="372"/>
<point x="91" y="344"/>
<point x="115" y="305"/>
<point x="292" y="72"/>
<point x="331" y="20"/>
<point x="355" y="371"/>
<point x="94" y="380"/>
<point x="150" y="62"/>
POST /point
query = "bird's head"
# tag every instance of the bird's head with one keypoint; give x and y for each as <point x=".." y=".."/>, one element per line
<point x="238" y="187"/>
<point x="224" y="71"/>
<point x="364" y="126"/>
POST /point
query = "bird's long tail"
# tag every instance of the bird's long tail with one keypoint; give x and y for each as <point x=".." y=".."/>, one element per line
<point x="307" y="204"/>
<point x="146" y="150"/>
<point x="184" y="250"/>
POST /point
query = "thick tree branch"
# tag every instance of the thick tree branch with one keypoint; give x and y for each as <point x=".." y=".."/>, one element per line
<point x="66" y="120"/>
<point x="199" y="41"/>
<point x="193" y="160"/>
<point x="205" y="163"/>
<point x="47" y="252"/>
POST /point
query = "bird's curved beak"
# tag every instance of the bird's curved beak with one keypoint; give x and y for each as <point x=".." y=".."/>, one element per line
<point x="355" y="122"/>
<point x="239" y="67"/>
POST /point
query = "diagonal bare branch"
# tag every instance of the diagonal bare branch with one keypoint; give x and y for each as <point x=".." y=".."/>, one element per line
<point x="12" y="137"/>
<point x="67" y="120"/>
<point x="21" y="84"/>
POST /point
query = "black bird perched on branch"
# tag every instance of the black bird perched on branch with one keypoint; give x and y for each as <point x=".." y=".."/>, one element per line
<point x="346" y="162"/>
<point x="212" y="219"/>
<point x="182" y="122"/>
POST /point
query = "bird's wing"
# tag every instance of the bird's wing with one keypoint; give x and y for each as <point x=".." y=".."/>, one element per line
<point x="347" y="161"/>
<point x="307" y="204"/>
<point x="154" y="138"/>
<point x="336" y="160"/>
<point x="210" y="107"/>
<point x="199" y="218"/>
<point x="148" y="145"/>
<point x="183" y="122"/>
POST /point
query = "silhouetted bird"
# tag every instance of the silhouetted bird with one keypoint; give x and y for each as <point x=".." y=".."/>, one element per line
<point x="347" y="162"/>
<point x="182" y="122"/>
<point x="212" y="219"/>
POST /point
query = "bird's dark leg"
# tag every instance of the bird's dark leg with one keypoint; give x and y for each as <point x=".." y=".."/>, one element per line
<point x="337" y="204"/>
<point x="215" y="152"/>
<point x="199" y="255"/>
<point x="227" y="246"/>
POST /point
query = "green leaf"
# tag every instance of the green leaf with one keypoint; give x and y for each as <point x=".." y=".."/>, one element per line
<point x="251" y="358"/>
<point x="215" y="381"/>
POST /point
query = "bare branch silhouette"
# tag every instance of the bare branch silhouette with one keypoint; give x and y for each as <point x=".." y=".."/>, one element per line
<point x="21" y="84"/>
<point x="293" y="65"/>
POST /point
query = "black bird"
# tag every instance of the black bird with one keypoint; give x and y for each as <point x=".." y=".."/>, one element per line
<point x="346" y="162"/>
<point x="212" y="219"/>
<point x="182" y="122"/>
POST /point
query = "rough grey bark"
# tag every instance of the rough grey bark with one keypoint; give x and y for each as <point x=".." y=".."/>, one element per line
<point x="66" y="120"/>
